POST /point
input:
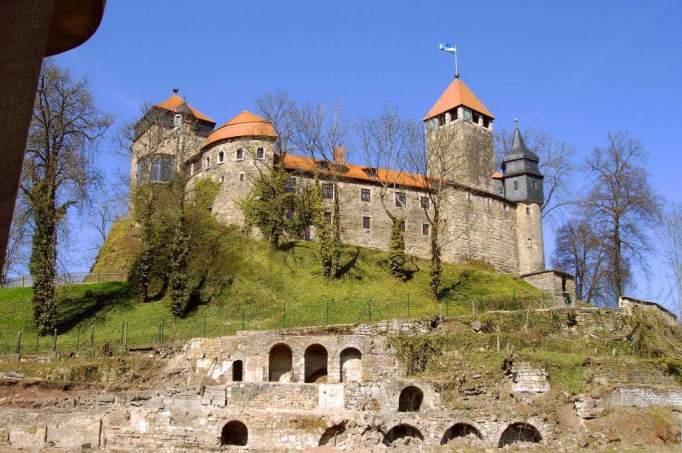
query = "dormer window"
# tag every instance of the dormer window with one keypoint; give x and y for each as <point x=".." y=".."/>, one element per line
<point x="371" y="171"/>
<point x="221" y="157"/>
<point x="240" y="154"/>
<point x="260" y="154"/>
<point x="177" y="120"/>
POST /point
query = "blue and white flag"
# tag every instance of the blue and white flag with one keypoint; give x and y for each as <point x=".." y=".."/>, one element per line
<point x="446" y="46"/>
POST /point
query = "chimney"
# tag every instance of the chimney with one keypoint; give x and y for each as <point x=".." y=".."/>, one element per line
<point x="340" y="155"/>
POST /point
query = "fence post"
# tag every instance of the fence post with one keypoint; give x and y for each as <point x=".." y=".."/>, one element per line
<point x="37" y="341"/>
<point x="19" y="345"/>
<point x="369" y="309"/>
<point x="78" y="339"/>
<point x="243" y="318"/>
<point x="408" y="305"/>
<point x="204" y="324"/>
<point x="326" y="312"/>
<point x="92" y="337"/>
<point x="125" y="336"/>
<point x="54" y="341"/>
<point x="23" y="281"/>
<point x="161" y="335"/>
<point x="285" y="315"/>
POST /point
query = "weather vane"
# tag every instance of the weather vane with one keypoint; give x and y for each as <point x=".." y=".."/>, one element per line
<point x="447" y="47"/>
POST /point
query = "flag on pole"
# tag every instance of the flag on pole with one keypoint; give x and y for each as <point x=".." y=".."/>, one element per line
<point x="447" y="47"/>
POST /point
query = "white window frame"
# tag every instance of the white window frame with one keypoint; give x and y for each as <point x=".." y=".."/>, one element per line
<point x="260" y="153"/>
<point x="238" y="152"/>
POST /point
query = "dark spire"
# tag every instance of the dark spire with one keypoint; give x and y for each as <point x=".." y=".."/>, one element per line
<point x="519" y="150"/>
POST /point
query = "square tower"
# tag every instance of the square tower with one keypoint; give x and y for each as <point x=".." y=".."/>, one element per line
<point x="460" y="129"/>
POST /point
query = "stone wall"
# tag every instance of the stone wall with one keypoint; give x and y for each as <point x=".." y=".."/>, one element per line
<point x="556" y="284"/>
<point x="631" y="305"/>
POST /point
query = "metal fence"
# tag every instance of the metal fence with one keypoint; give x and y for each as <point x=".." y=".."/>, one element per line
<point x="74" y="278"/>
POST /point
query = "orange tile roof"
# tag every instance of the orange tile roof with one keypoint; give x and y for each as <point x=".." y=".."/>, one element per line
<point x="246" y="124"/>
<point x="456" y="94"/>
<point x="172" y="103"/>
<point x="357" y="172"/>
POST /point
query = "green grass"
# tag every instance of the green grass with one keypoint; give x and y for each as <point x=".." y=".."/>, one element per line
<point x="266" y="290"/>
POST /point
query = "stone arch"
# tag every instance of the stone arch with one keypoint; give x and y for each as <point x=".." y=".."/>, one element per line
<point x="334" y="435"/>
<point x="315" y="359"/>
<point x="234" y="433"/>
<point x="237" y="371"/>
<point x="520" y="432"/>
<point x="411" y="399"/>
<point x="351" y="365"/>
<point x="460" y="430"/>
<point x="279" y="363"/>
<point x="403" y="434"/>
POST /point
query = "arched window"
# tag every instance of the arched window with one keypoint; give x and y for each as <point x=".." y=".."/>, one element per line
<point x="208" y="161"/>
<point x="315" y="364"/>
<point x="351" y="365"/>
<point x="410" y="399"/>
<point x="403" y="434"/>
<point x="519" y="432"/>
<point x="221" y="157"/>
<point x="237" y="371"/>
<point x="280" y="363"/>
<point x="234" y="433"/>
<point x="460" y="430"/>
<point x="240" y="154"/>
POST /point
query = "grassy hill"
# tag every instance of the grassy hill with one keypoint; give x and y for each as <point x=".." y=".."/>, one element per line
<point x="266" y="290"/>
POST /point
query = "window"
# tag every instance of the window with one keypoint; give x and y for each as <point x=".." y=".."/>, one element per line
<point x="468" y="116"/>
<point x="426" y="229"/>
<point x="290" y="185"/>
<point x="530" y="243"/>
<point x="208" y="161"/>
<point x="327" y="191"/>
<point x="516" y="185"/>
<point x="222" y="179"/>
<point x="365" y="223"/>
<point x="527" y="210"/>
<point x="400" y="200"/>
<point x="260" y="154"/>
<point x="535" y="185"/>
<point x="328" y="216"/>
<point x="240" y="154"/>
<point x="425" y="202"/>
<point x="474" y="118"/>
<point x="486" y="122"/>
<point x="177" y="120"/>
<point x="155" y="169"/>
<point x="241" y="176"/>
<point x="365" y="194"/>
<point x="221" y="157"/>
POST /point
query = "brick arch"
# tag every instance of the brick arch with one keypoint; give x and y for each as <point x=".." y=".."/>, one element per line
<point x="403" y="434"/>
<point x="350" y="369"/>
<point x="519" y="432"/>
<point x="410" y="399"/>
<point x="234" y="433"/>
<point x="316" y="363"/>
<point x="460" y="430"/>
<point x="280" y="363"/>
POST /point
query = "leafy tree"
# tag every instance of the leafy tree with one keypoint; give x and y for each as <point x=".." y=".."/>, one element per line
<point x="58" y="173"/>
<point x="396" y="252"/>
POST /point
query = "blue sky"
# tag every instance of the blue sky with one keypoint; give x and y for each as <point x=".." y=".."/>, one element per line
<point x="575" y="70"/>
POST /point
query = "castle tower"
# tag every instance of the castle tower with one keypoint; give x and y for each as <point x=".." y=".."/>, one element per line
<point x="468" y="126"/>
<point x="522" y="182"/>
<point x="234" y="155"/>
<point x="167" y="129"/>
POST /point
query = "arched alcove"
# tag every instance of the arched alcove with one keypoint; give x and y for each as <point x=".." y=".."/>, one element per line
<point x="279" y="363"/>
<point x="351" y="365"/>
<point x="315" y="358"/>
<point x="237" y="371"/>
<point x="459" y="430"/>
<point x="403" y="434"/>
<point x="334" y="436"/>
<point x="520" y="432"/>
<point x="410" y="399"/>
<point x="234" y="433"/>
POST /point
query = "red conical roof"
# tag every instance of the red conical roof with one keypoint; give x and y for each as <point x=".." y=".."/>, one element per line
<point x="456" y="94"/>
<point x="246" y="124"/>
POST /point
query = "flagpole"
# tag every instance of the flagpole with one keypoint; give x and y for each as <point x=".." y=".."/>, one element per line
<point x="456" y="64"/>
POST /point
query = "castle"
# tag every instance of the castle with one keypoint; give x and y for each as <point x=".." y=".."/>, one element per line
<point x="487" y="215"/>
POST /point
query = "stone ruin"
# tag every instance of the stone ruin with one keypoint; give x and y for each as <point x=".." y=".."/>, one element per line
<point x="339" y="387"/>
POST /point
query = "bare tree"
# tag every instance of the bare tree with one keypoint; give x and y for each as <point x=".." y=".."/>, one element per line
<point x="321" y="135"/>
<point x="621" y="205"/>
<point x="580" y="251"/>
<point x="59" y="172"/>
<point x="556" y="164"/>
<point x="281" y="111"/>
<point x="670" y="235"/>
<point x="430" y="158"/>
<point x="383" y="141"/>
